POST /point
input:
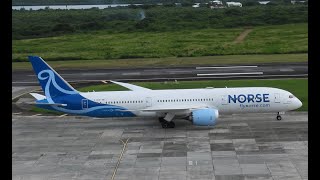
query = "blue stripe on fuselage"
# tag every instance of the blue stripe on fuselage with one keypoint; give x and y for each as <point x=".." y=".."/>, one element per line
<point x="94" y="109"/>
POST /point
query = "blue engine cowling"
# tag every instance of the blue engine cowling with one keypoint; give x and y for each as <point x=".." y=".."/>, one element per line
<point x="204" y="117"/>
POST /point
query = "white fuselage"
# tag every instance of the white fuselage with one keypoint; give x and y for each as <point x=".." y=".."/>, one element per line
<point x="225" y="100"/>
<point x="201" y="106"/>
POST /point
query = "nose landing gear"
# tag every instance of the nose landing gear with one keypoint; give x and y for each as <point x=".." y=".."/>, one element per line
<point x="279" y="116"/>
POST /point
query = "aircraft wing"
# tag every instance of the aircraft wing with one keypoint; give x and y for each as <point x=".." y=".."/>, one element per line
<point x="131" y="86"/>
<point x="174" y="108"/>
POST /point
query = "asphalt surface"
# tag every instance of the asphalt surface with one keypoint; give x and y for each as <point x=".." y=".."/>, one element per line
<point x="274" y="70"/>
<point x="246" y="146"/>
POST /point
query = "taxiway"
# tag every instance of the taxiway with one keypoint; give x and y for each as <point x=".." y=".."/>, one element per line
<point x="247" y="146"/>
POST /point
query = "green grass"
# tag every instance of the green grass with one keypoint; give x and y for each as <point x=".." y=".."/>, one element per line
<point x="299" y="87"/>
<point x="45" y="111"/>
<point x="50" y="23"/>
<point x="101" y="45"/>
<point x="169" y="62"/>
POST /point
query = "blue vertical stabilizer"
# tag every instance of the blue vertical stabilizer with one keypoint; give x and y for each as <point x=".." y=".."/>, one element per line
<point x="53" y="85"/>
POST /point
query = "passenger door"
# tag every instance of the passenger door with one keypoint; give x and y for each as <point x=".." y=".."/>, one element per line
<point x="277" y="98"/>
<point x="85" y="104"/>
<point x="148" y="102"/>
<point x="224" y="99"/>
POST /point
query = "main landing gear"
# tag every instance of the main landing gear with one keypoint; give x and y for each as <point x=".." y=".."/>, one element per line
<point x="279" y="116"/>
<point x="166" y="124"/>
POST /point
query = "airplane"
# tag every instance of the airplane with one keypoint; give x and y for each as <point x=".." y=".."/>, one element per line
<point x="200" y="106"/>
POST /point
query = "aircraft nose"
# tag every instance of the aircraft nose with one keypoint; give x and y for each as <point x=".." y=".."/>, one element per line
<point x="298" y="103"/>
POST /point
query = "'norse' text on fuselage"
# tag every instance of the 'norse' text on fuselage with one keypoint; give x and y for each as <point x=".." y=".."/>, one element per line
<point x="248" y="98"/>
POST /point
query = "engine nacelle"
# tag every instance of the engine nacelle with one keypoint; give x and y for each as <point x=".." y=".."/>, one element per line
<point x="204" y="117"/>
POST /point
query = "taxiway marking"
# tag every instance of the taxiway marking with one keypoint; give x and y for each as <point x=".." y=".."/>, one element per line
<point x="63" y="115"/>
<point x="225" y="67"/>
<point x="121" y="154"/>
<point x="223" y="74"/>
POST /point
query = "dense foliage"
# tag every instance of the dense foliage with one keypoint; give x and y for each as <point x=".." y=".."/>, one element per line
<point x="63" y="2"/>
<point x="45" y="23"/>
<point x="147" y="2"/>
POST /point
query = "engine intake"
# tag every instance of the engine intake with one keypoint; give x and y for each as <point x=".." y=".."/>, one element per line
<point x="204" y="117"/>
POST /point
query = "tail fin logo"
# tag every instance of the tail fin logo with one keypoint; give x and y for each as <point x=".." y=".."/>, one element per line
<point x="51" y="80"/>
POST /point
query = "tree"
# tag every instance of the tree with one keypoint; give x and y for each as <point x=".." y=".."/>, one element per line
<point x="250" y="3"/>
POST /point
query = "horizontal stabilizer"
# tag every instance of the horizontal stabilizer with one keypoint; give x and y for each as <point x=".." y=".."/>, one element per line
<point x="38" y="96"/>
<point x="47" y="104"/>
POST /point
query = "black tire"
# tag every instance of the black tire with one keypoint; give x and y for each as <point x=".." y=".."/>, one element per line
<point x="164" y="125"/>
<point x="279" y="118"/>
<point x="172" y="124"/>
<point x="161" y="120"/>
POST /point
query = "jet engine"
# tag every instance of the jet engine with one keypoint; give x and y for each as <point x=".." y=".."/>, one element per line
<point x="204" y="117"/>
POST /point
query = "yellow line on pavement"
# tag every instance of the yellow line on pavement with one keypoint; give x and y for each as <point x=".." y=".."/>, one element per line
<point x="121" y="154"/>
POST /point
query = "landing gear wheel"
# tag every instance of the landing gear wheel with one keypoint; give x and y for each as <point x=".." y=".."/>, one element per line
<point x="171" y="124"/>
<point x="165" y="124"/>
<point x="279" y="117"/>
<point x="161" y="120"/>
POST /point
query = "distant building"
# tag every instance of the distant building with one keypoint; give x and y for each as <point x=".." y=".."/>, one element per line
<point x="215" y="4"/>
<point x="234" y="4"/>
<point x="263" y="2"/>
<point x="297" y="2"/>
<point x="196" y="5"/>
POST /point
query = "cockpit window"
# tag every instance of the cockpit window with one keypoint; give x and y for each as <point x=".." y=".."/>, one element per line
<point x="291" y="96"/>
